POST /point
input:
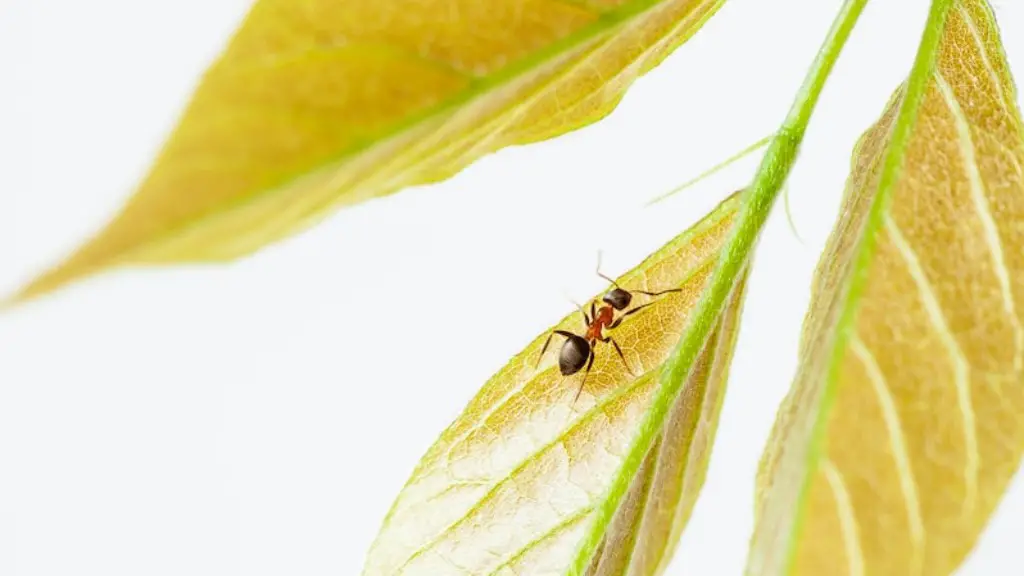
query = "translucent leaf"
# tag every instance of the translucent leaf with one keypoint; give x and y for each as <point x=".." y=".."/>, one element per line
<point x="511" y="485"/>
<point x="319" y="104"/>
<point x="904" y="425"/>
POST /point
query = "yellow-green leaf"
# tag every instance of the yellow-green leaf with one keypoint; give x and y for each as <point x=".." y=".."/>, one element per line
<point x="905" y="423"/>
<point x="510" y="486"/>
<point x="319" y="104"/>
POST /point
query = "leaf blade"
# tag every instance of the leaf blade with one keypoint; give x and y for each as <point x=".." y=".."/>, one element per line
<point x="896" y="440"/>
<point x="510" y="486"/>
<point x="318" y="105"/>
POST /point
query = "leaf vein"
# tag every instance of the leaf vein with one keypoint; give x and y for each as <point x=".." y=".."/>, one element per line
<point x="597" y="410"/>
<point x="983" y="54"/>
<point x="690" y="274"/>
<point x="897" y="443"/>
<point x="497" y="125"/>
<point x="988" y="223"/>
<point x="847" y="519"/>
<point x="554" y="531"/>
<point x="650" y="488"/>
<point x="961" y="368"/>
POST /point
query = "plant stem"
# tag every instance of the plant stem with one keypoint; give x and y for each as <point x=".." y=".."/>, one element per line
<point x="759" y="198"/>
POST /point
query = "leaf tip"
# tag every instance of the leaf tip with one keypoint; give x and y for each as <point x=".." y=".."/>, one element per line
<point x="57" y="277"/>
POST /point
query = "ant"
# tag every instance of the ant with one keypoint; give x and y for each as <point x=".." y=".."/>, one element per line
<point x="578" y="350"/>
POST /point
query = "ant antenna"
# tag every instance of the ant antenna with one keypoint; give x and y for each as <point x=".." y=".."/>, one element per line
<point x="579" y="307"/>
<point x="599" y="273"/>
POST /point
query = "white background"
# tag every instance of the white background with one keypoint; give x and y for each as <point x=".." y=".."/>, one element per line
<point x="259" y="418"/>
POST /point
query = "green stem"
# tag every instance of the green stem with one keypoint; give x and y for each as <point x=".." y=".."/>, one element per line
<point x="759" y="198"/>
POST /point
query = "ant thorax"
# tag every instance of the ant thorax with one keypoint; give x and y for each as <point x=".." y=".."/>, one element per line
<point x="604" y="316"/>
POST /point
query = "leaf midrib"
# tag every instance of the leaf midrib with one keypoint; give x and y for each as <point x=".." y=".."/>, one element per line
<point x="582" y="513"/>
<point x="604" y="25"/>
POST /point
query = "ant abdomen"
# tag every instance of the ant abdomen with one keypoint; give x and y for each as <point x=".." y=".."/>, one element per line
<point x="574" y="355"/>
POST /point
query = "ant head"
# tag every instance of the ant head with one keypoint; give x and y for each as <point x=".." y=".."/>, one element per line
<point x="618" y="298"/>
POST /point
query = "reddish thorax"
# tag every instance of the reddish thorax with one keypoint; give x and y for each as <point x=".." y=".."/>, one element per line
<point x="603" y="319"/>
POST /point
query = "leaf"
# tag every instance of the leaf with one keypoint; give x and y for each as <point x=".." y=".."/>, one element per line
<point x="510" y="487"/>
<point x="904" y="424"/>
<point x="320" y="104"/>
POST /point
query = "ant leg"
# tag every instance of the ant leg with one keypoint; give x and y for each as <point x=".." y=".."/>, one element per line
<point x="616" y="284"/>
<point x="627" y="313"/>
<point x="544" y="349"/>
<point x="658" y="293"/>
<point x="585" y="374"/>
<point x="635" y="310"/>
<point x="548" y="342"/>
<point x="619" y="350"/>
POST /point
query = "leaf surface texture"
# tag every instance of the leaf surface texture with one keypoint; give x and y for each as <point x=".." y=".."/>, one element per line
<point x="319" y="104"/>
<point x="904" y="425"/>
